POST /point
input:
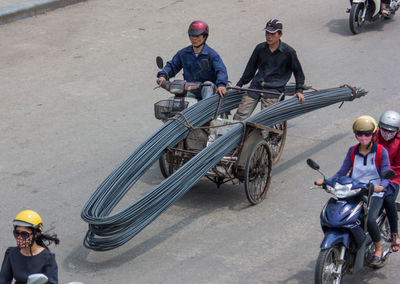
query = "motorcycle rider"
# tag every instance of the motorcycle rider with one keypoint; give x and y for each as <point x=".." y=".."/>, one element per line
<point x="189" y="59"/>
<point x="31" y="255"/>
<point x="360" y="164"/>
<point x="388" y="136"/>
<point x="274" y="61"/>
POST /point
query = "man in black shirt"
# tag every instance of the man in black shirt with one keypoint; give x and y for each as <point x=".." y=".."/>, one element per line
<point x="274" y="61"/>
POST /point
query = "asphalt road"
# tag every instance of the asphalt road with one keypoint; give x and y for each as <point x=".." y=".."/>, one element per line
<point x="77" y="98"/>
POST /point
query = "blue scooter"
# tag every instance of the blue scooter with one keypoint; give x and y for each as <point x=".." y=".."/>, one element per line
<point x="347" y="247"/>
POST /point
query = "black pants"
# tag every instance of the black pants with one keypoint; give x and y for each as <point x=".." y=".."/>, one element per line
<point x="373" y="213"/>
<point x="389" y="203"/>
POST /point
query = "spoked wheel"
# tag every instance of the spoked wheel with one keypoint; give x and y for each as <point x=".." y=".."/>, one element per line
<point x="355" y="20"/>
<point x="166" y="169"/>
<point x="277" y="142"/>
<point x="328" y="269"/>
<point x="258" y="172"/>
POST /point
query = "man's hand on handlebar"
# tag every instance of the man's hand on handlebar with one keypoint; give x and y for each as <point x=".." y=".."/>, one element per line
<point x="159" y="80"/>
<point x="300" y="96"/>
<point x="221" y="91"/>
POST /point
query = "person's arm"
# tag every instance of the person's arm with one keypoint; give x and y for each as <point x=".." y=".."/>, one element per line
<point x="51" y="269"/>
<point x="297" y="72"/>
<point x="385" y="166"/>
<point x="395" y="163"/>
<point x="6" y="275"/>
<point x="170" y="69"/>
<point x="344" y="169"/>
<point x="250" y="70"/>
<point x="220" y="71"/>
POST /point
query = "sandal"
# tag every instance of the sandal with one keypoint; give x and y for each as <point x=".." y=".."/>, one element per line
<point x="395" y="242"/>
<point x="376" y="260"/>
<point x="385" y="12"/>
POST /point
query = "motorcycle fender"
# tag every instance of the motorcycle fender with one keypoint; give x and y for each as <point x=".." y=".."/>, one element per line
<point x="376" y="2"/>
<point x="335" y="237"/>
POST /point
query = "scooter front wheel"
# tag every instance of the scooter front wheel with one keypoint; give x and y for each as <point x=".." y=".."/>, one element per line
<point x="356" y="21"/>
<point x="327" y="269"/>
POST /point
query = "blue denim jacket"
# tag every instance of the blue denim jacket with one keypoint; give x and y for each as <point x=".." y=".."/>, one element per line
<point x="191" y="64"/>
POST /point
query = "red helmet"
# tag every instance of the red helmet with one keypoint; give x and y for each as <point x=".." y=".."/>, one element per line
<point x="197" y="28"/>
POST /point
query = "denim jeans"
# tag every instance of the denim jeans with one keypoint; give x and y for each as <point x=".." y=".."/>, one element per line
<point x="207" y="90"/>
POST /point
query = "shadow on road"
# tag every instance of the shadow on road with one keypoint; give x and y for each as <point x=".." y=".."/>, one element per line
<point x="77" y="261"/>
<point x="303" y="276"/>
<point x="341" y="26"/>
<point x="201" y="200"/>
<point x="301" y="157"/>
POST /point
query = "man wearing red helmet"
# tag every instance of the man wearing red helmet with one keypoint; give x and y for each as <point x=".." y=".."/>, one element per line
<point x="269" y="68"/>
<point x="189" y="59"/>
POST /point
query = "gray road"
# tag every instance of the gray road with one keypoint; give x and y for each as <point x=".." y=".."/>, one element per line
<point x="77" y="98"/>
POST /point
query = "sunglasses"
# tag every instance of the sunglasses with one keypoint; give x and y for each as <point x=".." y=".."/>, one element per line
<point x="361" y="133"/>
<point x="22" y="234"/>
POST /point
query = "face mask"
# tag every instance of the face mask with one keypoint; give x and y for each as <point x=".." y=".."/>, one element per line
<point x="388" y="135"/>
<point x="24" y="243"/>
<point x="364" y="140"/>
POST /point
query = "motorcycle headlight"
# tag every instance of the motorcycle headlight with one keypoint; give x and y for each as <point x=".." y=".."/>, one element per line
<point x="345" y="190"/>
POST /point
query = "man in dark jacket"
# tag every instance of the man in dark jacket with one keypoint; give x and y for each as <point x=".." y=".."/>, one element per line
<point x="189" y="58"/>
<point x="274" y="61"/>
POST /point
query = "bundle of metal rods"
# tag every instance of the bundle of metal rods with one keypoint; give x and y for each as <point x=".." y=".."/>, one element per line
<point x="110" y="231"/>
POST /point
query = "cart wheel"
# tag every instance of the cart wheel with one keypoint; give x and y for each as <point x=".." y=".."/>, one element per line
<point x="277" y="142"/>
<point x="258" y="172"/>
<point x="166" y="169"/>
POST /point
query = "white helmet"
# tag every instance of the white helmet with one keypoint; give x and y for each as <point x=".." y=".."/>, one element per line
<point x="390" y="120"/>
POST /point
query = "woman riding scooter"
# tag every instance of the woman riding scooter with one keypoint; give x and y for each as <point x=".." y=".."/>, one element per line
<point x="364" y="162"/>
<point x="31" y="254"/>
<point x="388" y="136"/>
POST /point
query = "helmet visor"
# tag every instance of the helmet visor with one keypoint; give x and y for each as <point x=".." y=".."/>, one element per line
<point x="195" y="32"/>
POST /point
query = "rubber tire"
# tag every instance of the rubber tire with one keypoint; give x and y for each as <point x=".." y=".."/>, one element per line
<point x="323" y="258"/>
<point x="258" y="169"/>
<point x="165" y="168"/>
<point x="276" y="153"/>
<point x="355" y="11"/>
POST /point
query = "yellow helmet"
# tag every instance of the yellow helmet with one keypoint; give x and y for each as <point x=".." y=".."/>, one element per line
<point x="28" y="218"/>
<point x="365" y="123"/>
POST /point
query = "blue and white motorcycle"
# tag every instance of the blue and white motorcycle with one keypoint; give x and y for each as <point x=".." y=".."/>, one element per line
<point x="347" y="246"/>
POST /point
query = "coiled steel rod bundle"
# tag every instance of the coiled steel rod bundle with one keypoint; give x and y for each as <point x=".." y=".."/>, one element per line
<point x="110" y="231"/>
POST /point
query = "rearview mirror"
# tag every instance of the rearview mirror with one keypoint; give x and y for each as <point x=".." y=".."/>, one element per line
<point x="312" y="164"/>
<point x="160" y="62"/>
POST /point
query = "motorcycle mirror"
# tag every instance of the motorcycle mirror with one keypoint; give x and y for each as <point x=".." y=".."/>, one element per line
<point x="388" y="174"/>
<point x="160" y="62"/>
<point x="204" y="64"/>
<point x="37" y="278"/>
<point x="312" y="164"/>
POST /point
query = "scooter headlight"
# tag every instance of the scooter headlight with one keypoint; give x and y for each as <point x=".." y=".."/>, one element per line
<point x="344" y="190"/>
